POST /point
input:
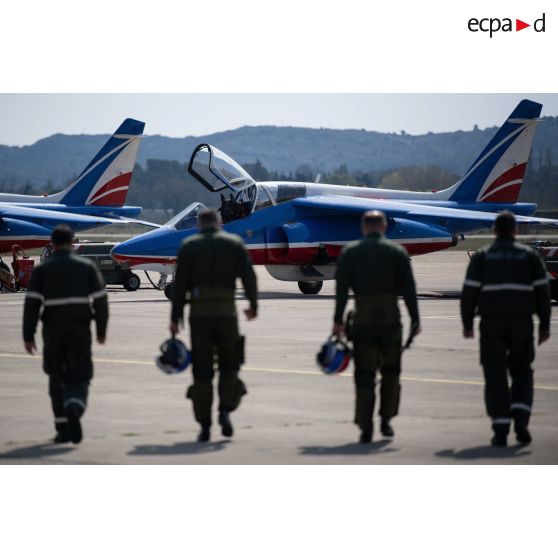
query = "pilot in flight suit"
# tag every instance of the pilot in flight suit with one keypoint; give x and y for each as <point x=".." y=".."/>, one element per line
<point x="378" y="271"/>
<point x="207" y="267"/>
<point x="506" y="284"/>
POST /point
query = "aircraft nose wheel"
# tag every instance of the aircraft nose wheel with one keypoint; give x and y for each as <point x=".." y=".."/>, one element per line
<point x="310" y="287"/>
<point x="132" y="282"/>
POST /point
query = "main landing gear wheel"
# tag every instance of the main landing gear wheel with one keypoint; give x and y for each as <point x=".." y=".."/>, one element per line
<point x="310" y="287"/>
<point x="132" y="282"/>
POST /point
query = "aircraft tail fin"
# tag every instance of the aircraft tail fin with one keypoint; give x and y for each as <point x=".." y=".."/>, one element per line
<point x="105" y="180"/>
<point x="497" y="174"/>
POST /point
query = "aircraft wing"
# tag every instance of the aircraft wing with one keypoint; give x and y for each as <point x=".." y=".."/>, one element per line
<point x="55" y="217"/>
<point x="133" y="221"/>
<point x="351" y="205"/>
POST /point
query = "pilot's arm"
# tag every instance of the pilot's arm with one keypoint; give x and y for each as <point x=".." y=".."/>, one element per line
<point x="249" y="282"/>
<point x="180" y="287"/>
<point x="343" y="282"/>
<point x="100" y="302"/>
<point x="34" y="300"/>
<point x="408" y="290"/>
<point x="470" y="293"/>
<point x="541" y="288"/>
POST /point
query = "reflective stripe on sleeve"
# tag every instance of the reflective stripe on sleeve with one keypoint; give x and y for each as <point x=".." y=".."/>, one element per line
<point x="522" y="406"/>
<point x="98" y="294"/>
<point x="507" y="287"/>
<point x="61" y="420"/>
<point x="471" y="283"/>
<point x="540" y="282"/>
<point x="35" y="294"/>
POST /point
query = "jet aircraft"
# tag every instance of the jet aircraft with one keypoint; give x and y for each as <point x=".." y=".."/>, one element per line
<point x="95" y="198"/>
<point x="297" y="230"/>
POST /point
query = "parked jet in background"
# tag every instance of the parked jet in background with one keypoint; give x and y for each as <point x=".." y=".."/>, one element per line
<point x="95" y="198"/>
<point x="297" y="230"/>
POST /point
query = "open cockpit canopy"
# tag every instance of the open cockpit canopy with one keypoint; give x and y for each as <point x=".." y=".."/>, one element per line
<point x="217" y="171"/>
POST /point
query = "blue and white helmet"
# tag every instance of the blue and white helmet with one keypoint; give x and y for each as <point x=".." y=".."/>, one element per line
<point x="334" y="356"/>
<point x="174" y="358"/>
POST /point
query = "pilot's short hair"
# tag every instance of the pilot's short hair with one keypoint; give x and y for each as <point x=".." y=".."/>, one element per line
<point x="505" y="224"/>
<point x="208" y="218"/>
<point x="62" y="235"/>
<point x="374" y="219"/>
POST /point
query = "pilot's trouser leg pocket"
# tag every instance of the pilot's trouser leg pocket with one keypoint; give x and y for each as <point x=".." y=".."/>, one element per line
<point x="231" y="390"/>
<point x="230" y="352"/>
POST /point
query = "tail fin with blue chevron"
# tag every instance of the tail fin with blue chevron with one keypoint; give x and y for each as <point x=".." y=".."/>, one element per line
<point x="105" y="180"/>
<point x="497" y="174"/>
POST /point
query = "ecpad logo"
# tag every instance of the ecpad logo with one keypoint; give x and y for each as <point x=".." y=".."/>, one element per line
<point x="494" y="25"/>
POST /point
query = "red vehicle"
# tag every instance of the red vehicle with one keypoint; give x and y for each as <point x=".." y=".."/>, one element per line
<point x="22" y="266"/>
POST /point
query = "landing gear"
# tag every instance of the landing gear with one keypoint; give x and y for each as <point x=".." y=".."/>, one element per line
<point x="131" y="282"/>
<point x="310" y="287"/>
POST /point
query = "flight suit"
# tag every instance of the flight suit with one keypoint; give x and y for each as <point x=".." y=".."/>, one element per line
<point x="66" y="291"/>
<point x="378" y="271"/>
<point x="207" y="267"/>
<point x="506" y="284"/>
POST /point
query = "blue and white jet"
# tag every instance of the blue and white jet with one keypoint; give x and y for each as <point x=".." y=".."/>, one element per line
<point x="297" y="230"/>
<point x="95" y="198"/>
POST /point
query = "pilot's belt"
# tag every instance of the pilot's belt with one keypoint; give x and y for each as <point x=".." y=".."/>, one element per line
<point x="212" y="293"/>
<point x="377" y="307"/>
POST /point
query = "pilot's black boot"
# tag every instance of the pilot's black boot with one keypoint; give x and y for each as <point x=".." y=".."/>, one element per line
<point x="205" y="433"/>
<point x="522" y="434"/>
<point x="73" y="413"/>
<point x="386" y="428"/>
<point x="60" y="439"/>
<point x="226" y="425"/>
<point x="365" y="436"/>
<point x="500" y="438"/>
<point x="61" y="426"/>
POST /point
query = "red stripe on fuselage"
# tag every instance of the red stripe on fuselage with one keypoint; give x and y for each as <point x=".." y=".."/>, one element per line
<point x="294" y="256"/>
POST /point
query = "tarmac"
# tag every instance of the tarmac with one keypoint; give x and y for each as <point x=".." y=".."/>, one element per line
<point x="293" y="413"/>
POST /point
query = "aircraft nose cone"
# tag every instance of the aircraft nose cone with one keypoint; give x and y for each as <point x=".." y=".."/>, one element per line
<point x="123" y="251"/>
<point x="152" y="246"/>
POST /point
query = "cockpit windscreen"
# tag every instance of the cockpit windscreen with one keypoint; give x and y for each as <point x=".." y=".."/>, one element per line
<point x="187" y="218"/>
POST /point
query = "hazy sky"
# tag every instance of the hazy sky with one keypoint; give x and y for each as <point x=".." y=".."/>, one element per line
<point x="25" y="118"/>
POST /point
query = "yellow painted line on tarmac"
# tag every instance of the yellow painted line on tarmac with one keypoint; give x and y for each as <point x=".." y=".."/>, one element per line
<point x="99" y="360"/>
<point x="288" y="371"/>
